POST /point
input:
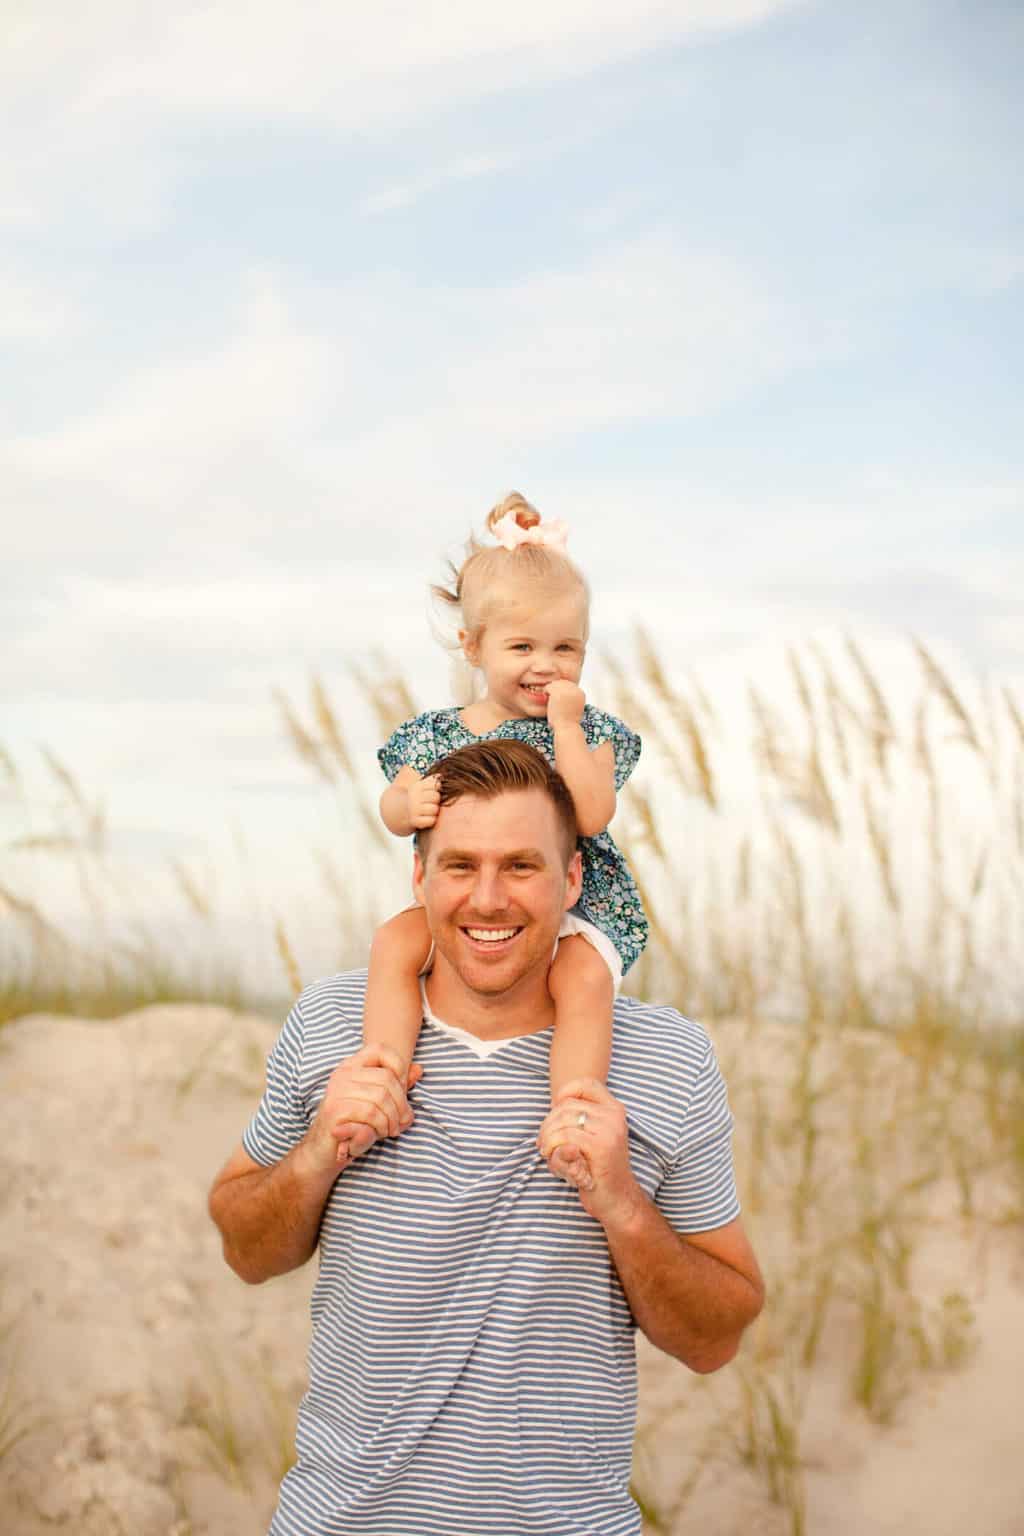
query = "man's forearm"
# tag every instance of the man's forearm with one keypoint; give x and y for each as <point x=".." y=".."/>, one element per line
<point x="690" y="1304"/>
<point x="269" y="1218"/>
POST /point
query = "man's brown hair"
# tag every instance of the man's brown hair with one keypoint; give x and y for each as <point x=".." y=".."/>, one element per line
<point x="490" y="768"/>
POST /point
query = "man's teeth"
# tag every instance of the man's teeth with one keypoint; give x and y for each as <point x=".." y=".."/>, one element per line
<point x="491" y="935"/>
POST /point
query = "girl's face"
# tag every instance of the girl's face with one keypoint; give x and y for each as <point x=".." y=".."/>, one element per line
<point x="523" y="649"/>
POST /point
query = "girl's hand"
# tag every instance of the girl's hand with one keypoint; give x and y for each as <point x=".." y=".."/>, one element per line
<point x="424" y="801"/>
<point x="565" y="703"/>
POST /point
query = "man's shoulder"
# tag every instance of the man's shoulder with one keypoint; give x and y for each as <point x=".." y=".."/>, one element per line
<point x="656" y="1039"/>
<point x="332" y="1001"/>
<point x="639" y="1020"/>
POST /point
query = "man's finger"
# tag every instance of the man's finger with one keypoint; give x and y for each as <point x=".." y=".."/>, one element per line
<point x="358" y="1091"/>
<point x="590" y="1088"/>
<point x="365" y="1112"/>
<point x="382" y="1083"/>
<point x="379" y="1056"/>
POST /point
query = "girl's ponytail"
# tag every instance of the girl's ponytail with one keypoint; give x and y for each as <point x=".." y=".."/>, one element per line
<point x="524" y="514"/>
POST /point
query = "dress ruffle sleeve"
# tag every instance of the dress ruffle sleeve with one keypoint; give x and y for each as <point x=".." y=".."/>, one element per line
<point x="599" y="727"/>
<point x="412" y="745"/>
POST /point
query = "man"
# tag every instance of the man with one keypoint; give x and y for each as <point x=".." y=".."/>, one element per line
<point x="473" y="1365"/>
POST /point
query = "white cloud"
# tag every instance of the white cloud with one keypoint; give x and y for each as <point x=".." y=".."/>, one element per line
<point x="464" y="168"/>
<point x="361" y="395"/>
<point x="157" y="438"/>
<point x="88" y="92"/>
<point x="344" y="62"/>
<point x="31" y="311"/>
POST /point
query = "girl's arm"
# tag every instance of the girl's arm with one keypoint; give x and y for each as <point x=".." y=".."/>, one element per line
<point x="409" y="802"/>
<point x="590" y="774"/>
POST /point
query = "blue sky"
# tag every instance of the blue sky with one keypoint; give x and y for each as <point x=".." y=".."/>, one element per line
<point x="288" y="300"/>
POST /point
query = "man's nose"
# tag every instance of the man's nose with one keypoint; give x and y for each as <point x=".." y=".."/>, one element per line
<point x="488" y="891"/>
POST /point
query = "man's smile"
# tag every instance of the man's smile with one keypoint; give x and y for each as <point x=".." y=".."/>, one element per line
<point x="492" y="940"/>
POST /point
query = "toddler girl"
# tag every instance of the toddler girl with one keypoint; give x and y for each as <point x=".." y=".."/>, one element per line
<point x="524" y="609"/>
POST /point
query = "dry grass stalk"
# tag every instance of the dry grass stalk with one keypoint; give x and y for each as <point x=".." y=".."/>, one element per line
<point x="881" y="850"/>
<point x="305" y="744"/>
<point x="743" y="886"/>
<point x="703" y="699"/>
<point x="1013" y="710"/>
<point x="386" y="692"/>
<point x="771" y="747"/>
<point x="700" y="780"/>
<point x="835" y="707"/>
<point x="802" y="777"/>
<point x="287" y="956"/>
<point x="191" y="890"/>
<point x="880" y="729"/>
<point x="330" y="730"/>
<point x="815" y="797"/>
<point x="940" y="684"/>
<point x="643" y="825"/>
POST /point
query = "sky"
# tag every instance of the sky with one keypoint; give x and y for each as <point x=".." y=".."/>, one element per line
<point x="288" y="298"/>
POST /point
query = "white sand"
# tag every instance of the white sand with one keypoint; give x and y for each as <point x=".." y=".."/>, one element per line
<point x="126" y="1333"/>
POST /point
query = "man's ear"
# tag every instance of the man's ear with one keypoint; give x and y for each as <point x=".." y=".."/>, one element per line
<point x="417" y="878"/>
<point x="574" y="880"/>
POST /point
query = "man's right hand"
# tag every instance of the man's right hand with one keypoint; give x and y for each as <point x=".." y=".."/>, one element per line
<point x="365" y="1092"/>
<point x="424" y="801"/>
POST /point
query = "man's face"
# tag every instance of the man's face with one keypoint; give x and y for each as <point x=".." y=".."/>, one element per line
<point x="495" y="887"/>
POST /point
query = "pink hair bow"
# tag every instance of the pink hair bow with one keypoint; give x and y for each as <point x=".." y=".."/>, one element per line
<point x="510" y="535"/>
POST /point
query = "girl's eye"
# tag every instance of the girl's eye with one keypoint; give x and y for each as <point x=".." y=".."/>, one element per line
<point x="521" y="645"/>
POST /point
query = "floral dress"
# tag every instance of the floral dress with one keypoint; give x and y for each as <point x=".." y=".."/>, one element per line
<point x="609" y="898"/>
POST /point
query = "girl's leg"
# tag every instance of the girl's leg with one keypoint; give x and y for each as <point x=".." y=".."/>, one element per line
<point x="393" y="1011"/>
<point x="584" y="993"/>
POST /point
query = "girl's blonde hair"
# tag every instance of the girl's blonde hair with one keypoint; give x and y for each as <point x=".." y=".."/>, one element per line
<point x="490" y="574"/>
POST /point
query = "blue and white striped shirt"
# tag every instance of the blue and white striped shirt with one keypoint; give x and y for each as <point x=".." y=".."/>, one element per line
<point x="473" y="1365"/>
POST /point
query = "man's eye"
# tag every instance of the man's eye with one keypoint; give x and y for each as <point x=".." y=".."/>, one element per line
<point x="522" y="865"/>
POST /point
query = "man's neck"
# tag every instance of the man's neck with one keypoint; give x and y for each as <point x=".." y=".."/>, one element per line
<point x="524" y="1009"/>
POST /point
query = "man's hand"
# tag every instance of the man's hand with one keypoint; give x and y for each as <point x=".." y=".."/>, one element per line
<point x="424" y="801"/>
<point x="565" y="703"/>
<point x="593" y="1156"/>
<point x="366" y="1093"/>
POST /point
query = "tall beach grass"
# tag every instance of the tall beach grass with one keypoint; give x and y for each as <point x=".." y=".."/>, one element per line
<point x="832" y="860"/>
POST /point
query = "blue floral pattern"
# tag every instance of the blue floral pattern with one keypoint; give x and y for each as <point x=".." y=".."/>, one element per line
<point x="609" y="898"/>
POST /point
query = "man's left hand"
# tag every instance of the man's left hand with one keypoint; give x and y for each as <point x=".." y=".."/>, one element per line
<point x="587" y="1128"/>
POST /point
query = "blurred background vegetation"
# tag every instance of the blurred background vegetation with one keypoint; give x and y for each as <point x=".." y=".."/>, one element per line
<point x="832" y="863"/>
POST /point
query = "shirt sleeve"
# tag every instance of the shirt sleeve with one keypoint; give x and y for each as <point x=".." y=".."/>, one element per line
<point x="699" y="1191"/>
<point x="411" y="745"/>
<point x="280" y="1121"/>
<point x="599" y="727"/>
